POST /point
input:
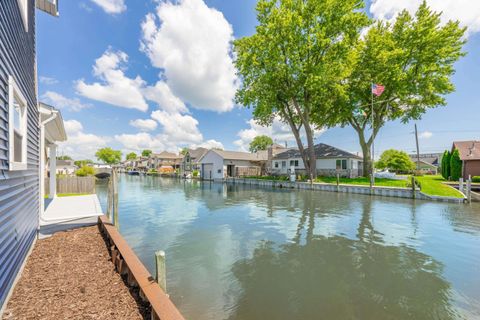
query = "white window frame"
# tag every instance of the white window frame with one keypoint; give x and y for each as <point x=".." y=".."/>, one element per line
<point x="15" y="93"/>
<point x="23" y="5"/>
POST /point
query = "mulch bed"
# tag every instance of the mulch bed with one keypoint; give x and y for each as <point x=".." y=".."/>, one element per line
<point x="70" y="276"/>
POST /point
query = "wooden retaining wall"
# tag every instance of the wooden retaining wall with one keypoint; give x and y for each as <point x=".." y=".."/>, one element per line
<point x="127" y="263"/>
<point x="73" y="184"/>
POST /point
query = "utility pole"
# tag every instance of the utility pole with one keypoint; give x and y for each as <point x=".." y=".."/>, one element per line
<point x="418" y="149"/>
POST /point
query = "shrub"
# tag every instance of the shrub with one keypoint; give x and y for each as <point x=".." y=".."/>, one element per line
<point x="476" y="179"/>
<point x="455" y="165"/>
<point x="395" y="160"/>
<point x="446" y="165"/>
<point x="195" y="173"/>
<point x="85" y="171"/>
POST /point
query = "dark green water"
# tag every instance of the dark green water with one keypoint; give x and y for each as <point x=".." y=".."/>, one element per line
<point x="239" y="252"/>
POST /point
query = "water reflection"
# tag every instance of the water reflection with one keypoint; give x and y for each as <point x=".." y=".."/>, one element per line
<point x="240" y="252"/>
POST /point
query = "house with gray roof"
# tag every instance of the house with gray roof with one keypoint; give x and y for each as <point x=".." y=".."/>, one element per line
<point x="330" y="162"/>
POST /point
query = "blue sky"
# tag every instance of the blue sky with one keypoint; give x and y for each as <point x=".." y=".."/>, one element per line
<point x="158" y="75"/>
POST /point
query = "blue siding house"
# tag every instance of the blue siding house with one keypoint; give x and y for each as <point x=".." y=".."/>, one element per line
<point x="19" y="136"/>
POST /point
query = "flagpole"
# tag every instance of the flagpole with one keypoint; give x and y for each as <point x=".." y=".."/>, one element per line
<point x="373" y="140"/>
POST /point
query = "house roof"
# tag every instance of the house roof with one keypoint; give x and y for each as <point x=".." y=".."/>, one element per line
<point x="196" y="154"/>
<point x="65" y="163"/>
<point x="166" y="155"/>
<point x="322" y="150"/>
<point x="52" y="119"/>
<point x="238" y="155"/>
<point x="469" y="150"/>
<point x="430" y="158"/>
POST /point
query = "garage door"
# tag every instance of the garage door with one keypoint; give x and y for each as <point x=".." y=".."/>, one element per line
<point x="207" y="171"/>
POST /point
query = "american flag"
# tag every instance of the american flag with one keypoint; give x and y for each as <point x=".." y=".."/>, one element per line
<point x="377" y="89"/>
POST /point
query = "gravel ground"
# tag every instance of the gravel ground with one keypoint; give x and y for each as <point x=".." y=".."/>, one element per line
<point x="70" y="276"/>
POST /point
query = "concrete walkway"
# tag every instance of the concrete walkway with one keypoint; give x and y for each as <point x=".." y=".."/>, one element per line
<point x="64" y="213"/>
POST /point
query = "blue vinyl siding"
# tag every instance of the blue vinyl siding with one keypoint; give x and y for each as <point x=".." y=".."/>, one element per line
<point x="19" y="190"/>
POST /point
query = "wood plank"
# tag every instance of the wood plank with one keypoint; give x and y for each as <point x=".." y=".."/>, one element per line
<point x="160" y="302"/>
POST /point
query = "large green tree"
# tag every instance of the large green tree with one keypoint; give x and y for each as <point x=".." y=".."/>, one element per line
<point x="455" y="165"/>
<point x="81" y="163"/>
<point x="414" y="59"/>
<point x="446" y="165"/>
<point x="260" y="143"/>
<point x="108" y="155"/>
<point x="294" y="66"/>
<point x="131" y="156"/>
<point x="395" y="160"/>
<point x="146" y="153"/>
<point x="64" y="158"/>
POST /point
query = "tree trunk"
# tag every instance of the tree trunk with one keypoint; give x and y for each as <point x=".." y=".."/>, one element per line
<point x="311" y="152"/>
<point x="367" y="154"/>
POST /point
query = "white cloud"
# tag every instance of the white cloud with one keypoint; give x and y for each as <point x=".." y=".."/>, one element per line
<point x="81" y="145"/>
<point x="466" y="11"/>
<point x="163" y="96"/>
<point x="48" y="80"/>
<point x="61" y="102"/>
<point x="280" y="133"/>
<point x="180" y="129"/>
<point x="191" y="43"/>
<point x="144" y="124"/>
<point x="209" y="144"/>
<point x="115" y="87"/>
<point x="425" y="135"/>
<point x="111" y="6"/>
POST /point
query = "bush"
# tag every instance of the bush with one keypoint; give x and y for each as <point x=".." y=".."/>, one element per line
<point x="455" y="165"/>
<point x="395" y="160"/>
<point x="476" y="179"/>
<point x="195" y="173"/>
<point x="85" y="171"/>
<point x="446" y="165"/>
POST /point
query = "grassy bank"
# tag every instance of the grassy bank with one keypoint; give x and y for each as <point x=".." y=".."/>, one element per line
<point x="382" y="182"/>
<point x="435" y="186"/>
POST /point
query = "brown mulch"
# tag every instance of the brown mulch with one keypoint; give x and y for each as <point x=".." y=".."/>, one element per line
<point x="70" y="276"/>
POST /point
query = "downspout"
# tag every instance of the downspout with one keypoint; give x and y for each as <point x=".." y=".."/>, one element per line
<point x="54" y="114"/>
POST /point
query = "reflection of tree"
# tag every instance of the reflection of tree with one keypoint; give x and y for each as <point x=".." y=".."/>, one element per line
<point x="340" y="278"/>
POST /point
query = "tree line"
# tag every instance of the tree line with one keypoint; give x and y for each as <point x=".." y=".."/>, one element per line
<point x="311" y="64"/>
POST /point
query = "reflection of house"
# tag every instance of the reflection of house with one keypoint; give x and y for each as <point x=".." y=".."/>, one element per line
<point x="191" y="157"/>
<point x="22" y="138"/>
<point x="164" y="159"/>
<point x="66" y="167"/>
<point x="330" y="161"/>
<point x="429" y="162"/>
<point x="220" y="164"/>
<point x="470" y="156"/>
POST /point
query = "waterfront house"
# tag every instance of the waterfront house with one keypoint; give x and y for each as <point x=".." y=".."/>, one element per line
<point x="191" y="158"/>
<point x="164" y="159"/>
<point x="330" y="161"/>
<point x="470" y="156"/>
<point x="22" y="137"/>
<point x="221" y="164"/>
<point x="429" y="162"/>
<point x="66" y="167"/>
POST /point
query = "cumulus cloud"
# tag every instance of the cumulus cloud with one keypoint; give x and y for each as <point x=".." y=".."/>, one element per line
<point x="81" y="145"/>
<point x="181" y="129"/>
<point x="465" y="11"/>
<point x="425" y="135"/>
<point x="61" y="102"/>
<point x="209" y="144"/>
<point x="280" y="133"/>
<point x="163" y="96"/>
<point x="47" y="80"/>
<point x="144" y="124"/>
<point x="191" y="43"/>
<point x="111" y="6"/>
<point x="115" y="87"/>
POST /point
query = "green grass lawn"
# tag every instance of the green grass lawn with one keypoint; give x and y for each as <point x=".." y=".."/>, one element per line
<point x="434" y="186"/>
<point x="382" y="182"/>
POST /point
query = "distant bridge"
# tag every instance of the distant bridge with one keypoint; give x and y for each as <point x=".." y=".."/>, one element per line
<point x="103" y="173"/>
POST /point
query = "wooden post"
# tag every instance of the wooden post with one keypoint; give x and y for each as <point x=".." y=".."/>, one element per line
<point x="460" y="185"/>
<point x="160" y="269"/>
<point x="115" y="199"/>
<point x="413" y="188"/>
<point x="109" y="199"/>
<point x="372" y="177"/>
<point x="338" y="182"/>
<point x="469" y="190"/>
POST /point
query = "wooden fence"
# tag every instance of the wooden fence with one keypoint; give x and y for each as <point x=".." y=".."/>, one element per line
<point x="73" y="185"/>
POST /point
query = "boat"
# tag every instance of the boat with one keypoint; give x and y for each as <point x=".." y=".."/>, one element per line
<point x="133" y="173"/>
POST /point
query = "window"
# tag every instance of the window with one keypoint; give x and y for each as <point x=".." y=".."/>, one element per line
<point x="341" y="164"/>
<point x="284" y="164"/>
<point x="23" y="6"/>
<point x="294" y="163"/>
<point x="276" y="164"/>
<point x="17" y="110"/>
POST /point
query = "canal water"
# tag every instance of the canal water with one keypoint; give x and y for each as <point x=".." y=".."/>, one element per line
<point x="241" y="252"/>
